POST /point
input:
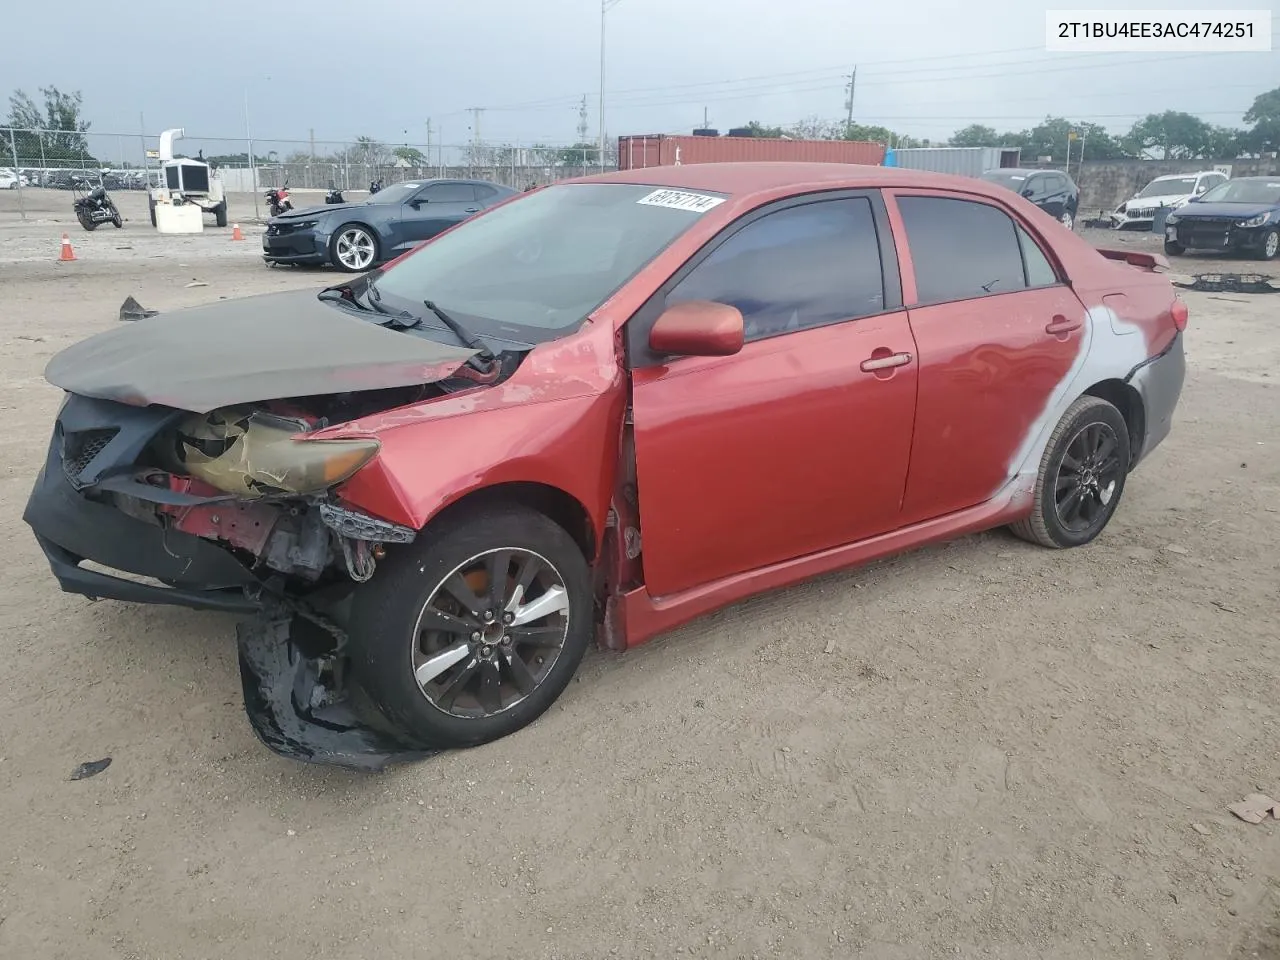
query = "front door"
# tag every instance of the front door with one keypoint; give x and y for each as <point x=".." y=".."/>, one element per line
<point x="998" y="335"/>
<point x="801" y="441"/>
<point x="435" y="208"/>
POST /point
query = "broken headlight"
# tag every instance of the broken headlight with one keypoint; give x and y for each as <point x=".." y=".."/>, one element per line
<point x="252" y="453"/>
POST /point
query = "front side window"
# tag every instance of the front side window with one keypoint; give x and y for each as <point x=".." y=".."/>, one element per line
<point x="961" y="249"/>
<point x="799" y="267"/>
<point x="535" y="268"/>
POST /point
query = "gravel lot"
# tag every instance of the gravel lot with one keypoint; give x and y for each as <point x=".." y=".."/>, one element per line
<point x="1007" y="752"/>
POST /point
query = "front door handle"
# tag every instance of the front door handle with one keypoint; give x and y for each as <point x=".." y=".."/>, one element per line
<point x="472" y="210"/>
<point x="887" y="361"/>
<point x="1060" y="326"/>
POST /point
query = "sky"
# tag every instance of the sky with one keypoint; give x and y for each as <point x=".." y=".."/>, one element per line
<point x="336" y="70"/>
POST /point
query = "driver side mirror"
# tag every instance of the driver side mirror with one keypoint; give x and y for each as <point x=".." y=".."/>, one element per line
<point x="698" y="328"/>
<point x="416" y="202"/>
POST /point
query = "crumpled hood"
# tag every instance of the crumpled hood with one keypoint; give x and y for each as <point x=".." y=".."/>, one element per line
<point x="310" y="213"/>
<point x="267" y="347"/>
<point x="1242" y="210"/>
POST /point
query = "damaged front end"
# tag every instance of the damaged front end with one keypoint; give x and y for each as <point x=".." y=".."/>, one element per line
<point x="233" y="510"/>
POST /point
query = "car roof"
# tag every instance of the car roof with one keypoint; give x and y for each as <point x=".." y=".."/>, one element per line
<point x="744" y="179"/>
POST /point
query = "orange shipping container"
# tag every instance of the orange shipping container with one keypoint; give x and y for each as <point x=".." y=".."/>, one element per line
<point x="661" y="150"/>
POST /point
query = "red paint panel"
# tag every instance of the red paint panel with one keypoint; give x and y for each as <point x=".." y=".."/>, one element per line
<point x="784" y="449"/>
<point x="987" y="371"/>
<point x="638" y="152"/>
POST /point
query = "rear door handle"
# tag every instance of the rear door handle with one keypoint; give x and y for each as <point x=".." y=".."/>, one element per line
<point x="1061" y="326"/>
<point x="472" y="210"/>
<point x="886" y="362"/>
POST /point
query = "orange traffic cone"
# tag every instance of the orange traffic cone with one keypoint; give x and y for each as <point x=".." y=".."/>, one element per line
<point x="67" y="252"/>
<point x="235" y="232"/>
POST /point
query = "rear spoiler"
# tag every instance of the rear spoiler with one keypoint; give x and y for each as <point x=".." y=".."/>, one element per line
<point x="1153" y="262"/>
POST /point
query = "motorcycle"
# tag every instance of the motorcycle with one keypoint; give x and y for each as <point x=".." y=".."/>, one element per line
<point x="334" y="196"/>
<point x="374" y="186"/>
<point x="96" y="207"/>
<point x="278" y="200"/>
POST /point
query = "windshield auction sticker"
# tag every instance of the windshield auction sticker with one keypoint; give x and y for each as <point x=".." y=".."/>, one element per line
<point x="1158" y="31"/>
<point x="680" y="200"/>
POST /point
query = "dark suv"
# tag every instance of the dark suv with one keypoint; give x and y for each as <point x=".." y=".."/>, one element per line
<point x="1051" y="190"/>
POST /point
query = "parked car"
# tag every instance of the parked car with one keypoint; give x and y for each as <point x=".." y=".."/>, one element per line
<point x="598" y="411"/>
<point x="358" y="236"/>
<point x="1239" y="216"/>
<point x="11" y="181"/>
<point x="1171" y="191"/>
<point x="1051" y="190"/>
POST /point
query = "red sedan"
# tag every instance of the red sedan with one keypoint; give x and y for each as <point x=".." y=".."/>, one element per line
<point x="597" y="411"/>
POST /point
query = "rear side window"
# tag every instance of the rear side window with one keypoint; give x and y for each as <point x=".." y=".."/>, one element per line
<point x="961" y="249"/>
<point x="1039" y="273"/>
<point x="449" y="193"/>
<point x="483" y="192"/>
<point x="800" y="267"/>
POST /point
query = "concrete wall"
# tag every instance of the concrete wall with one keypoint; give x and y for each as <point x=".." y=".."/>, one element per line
<point x="1105" y="184"/>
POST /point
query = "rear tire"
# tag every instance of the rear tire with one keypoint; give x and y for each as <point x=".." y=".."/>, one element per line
<point x="220" y="214"/>
<point x="1081" y="478"/>
<point x="442" y="686"/>
<point x="1174" y="249"/>
<point x="151" y="208"/>
<point x="85" y="222"/>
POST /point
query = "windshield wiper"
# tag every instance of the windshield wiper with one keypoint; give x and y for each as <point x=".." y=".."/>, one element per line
<point x="462" y="333"/>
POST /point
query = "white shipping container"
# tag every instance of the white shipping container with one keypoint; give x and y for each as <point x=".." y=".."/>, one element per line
<point x="963" y="161"/>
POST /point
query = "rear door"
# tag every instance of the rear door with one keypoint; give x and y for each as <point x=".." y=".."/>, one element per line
<point x="998" y="333"/>
<point x="435" y="208"/>
<point x="800" y="442"/>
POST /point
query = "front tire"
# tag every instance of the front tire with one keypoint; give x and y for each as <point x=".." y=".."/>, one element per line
<point x="475" y="630"/>
<point x="220" y="214"/>
<point x="1270" y="246"/>
<point x="353" y="248"/>
<point x="1068" y="220"/>
<point x="1174" y="249"/>
<point x="1081" y="478"/>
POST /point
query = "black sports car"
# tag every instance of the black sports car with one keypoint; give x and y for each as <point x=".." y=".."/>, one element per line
<point x="358" y="236"/>
<point x="1051" y="190"/>
<point x="1241" y="215"/>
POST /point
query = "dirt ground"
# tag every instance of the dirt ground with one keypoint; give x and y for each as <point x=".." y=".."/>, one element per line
<point x="1006" y="752"/>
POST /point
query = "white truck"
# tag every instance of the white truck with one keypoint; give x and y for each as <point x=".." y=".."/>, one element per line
<point x="183" y="180"/>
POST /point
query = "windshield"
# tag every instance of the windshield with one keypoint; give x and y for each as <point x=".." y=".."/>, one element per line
<point x="1177" y="187"/>
<point x="1244" y="191"/>
<point x="397" y="192"/>
<point x="1013" y="181"/>
<point x="545" y="260"/>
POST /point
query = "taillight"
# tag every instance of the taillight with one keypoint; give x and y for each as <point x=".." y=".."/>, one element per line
<point x="1179" y="313"/>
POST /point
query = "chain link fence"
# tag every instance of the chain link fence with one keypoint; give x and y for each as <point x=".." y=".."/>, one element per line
<point x="60" y="159"/>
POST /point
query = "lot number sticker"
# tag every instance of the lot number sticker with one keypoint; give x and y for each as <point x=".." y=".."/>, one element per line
<point x="680" y="200"/>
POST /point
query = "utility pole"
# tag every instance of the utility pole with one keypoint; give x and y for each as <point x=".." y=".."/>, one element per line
<point x="476" y="112"/>
<point x="583" y="127"/>
<point x="312" y="164"/>
<point x="706" y="119"/>
<point x="428" y="153"/>
<point x="848" y="103"/>
<point x="605" y="6"/>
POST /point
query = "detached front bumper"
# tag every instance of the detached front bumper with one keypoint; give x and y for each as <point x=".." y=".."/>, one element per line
<point x="303" y="246"/>
<point x="1217" y="235"/>
<point x="76" y="525"/>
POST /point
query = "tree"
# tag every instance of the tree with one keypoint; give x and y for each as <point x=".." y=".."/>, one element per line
<point x="61" y="129"/>
<point x="976" y="135"/>
<point x="1265" y="117"/>
<point x="758" y="129"/>
<point x="411" y="155"/>
<point x="1178" y="135"/>
<point x="368" y="151"/>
